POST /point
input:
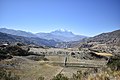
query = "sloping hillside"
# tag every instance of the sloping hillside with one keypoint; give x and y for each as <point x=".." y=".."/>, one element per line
<point x="36" y="41"/>
<point x="105" y="42"/>
<point x="111" y="38"/>
<point x="12" y="38"/>
<point x="17" y="32"/>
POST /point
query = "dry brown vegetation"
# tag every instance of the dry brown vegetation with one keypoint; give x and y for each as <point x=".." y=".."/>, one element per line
<point x="29" y="69"/>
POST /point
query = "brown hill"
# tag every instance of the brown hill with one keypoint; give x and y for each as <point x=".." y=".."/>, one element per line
<point x="105" y="42"/>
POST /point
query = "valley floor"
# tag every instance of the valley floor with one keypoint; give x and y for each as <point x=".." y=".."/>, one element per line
<point x="31" y="70"/>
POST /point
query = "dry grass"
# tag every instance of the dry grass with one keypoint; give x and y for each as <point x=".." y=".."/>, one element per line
<point x="104" y="54"/>
<point x="31" y="70"/>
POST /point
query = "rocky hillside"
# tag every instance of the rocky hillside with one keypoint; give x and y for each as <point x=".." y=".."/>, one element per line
<point x="111" y="38"/>
<point x="105" y="42"/>
<point x="12" y="38"/>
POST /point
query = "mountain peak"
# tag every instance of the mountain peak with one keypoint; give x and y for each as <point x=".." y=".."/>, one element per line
<point x="57" y="35"/>
<point x="63" y="32"/>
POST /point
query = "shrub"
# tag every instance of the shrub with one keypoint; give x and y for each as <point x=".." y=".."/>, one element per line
<point x="3" y="52"/>
<point x="4" y="75"/>
<point x="77" y="76"/>
<point x="16" y="51"/>
<point x="41" y="78"/>
<point x="114" y="62"/>
<point x="4" y="55"/>
<point x="60" y="77"/>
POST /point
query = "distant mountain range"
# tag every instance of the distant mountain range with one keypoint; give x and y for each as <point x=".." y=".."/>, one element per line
<point x="61" y="36"/>
<point x="58" y="35"/>
<point x="103" y="43"/>
<point x="17" y="32"/>
<point x="12" y="39"/>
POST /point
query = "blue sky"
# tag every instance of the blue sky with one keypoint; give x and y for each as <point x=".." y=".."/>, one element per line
<point x="84" y="17"/>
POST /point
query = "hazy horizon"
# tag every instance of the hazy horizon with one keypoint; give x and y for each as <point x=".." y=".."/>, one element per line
<point x="82" y="17"/>
<point x="58" y="29"/>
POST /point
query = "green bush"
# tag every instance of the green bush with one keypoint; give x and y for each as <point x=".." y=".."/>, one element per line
<point x="60" y="77"/>
<point x="16" y="51"/>
<point x="114" y="62"/>
<point x="4" y="75"/>
<point x="3" y="52"/>
<point x="4" y="55"/>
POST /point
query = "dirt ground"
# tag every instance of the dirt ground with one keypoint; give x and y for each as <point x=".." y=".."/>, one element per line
<point x="31" y="70"/>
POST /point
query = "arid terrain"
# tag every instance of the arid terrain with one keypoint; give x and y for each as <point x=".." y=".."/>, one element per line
<point x="59" y="39"/>
<point x="89" y="59"/>
<point x="49" y="66"/>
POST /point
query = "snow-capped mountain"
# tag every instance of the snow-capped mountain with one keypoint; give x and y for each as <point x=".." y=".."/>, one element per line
<point x="60" y="35"/>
